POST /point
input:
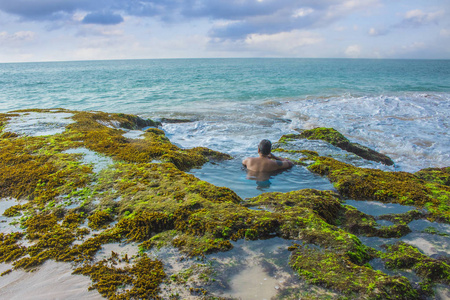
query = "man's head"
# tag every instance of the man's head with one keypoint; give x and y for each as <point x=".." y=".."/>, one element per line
<point x="265" y="146"/>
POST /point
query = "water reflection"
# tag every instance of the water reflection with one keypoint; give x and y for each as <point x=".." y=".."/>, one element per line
<point x="262" y="179"/>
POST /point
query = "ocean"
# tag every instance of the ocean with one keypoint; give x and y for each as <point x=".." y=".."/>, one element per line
<point x="398" y="107"/>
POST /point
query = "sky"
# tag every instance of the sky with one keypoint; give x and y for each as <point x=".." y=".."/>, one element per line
<point x="67" y="30"/>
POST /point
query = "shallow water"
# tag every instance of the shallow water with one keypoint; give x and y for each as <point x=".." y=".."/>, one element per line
<point x="430" y="244"/>
<point x="255" y="269"/>
<point x="39" y="124"/>
<point x="421" y="225"/>
<point x="5" y="222"/>
<point x="52" y="280"/>
<point x="375" y="208"/>
<point x="231" y="174"/>
<point x="89" y="157"/>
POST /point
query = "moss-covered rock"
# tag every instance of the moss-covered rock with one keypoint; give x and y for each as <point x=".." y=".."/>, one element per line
<point x="141" y="281"/>
<point x="325" y="267"/>
<point x="360" y="223"/>
<point x="335" y="138"/>
<point x="100" y="219"/>
<point x="396" y="187"/>
<point x="154" y="202"/>
<point x="324" y="203"/>
<point x="403" y="218"/>
<point x="403" y="256"/>
<point x="93" y="130"/>
<point x="435" y="175"/>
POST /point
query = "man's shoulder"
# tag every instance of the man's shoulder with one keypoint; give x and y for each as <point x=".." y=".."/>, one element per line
<point x="248" y="160"/>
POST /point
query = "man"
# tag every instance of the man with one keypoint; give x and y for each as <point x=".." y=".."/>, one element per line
<point x="266" y="162"/>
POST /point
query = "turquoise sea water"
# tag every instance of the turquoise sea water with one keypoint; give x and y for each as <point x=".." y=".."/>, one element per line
<point x="398" y="107"/>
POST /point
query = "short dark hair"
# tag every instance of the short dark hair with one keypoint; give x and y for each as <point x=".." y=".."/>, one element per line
<point x="265" y="146"/>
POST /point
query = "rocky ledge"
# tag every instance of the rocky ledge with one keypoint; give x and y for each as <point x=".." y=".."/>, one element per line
<point x="64" y="208"/>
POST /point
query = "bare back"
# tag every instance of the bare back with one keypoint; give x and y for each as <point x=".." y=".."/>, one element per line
<point x="265" y="164"/>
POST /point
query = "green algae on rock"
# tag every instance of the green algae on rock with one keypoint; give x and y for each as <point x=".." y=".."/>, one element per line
<point x="324" y="203"/>
<point x="335" y="138"/>
<point x="436" y="175"/>
<point x="141" y="281"/>
<point x="325" y="267"/>
<point x="396" y="187"/>
<point x="403" y="218"/>
<point x="404" y="256"/>
<point x="360" y="223"/>
<point x="157" y="204"/>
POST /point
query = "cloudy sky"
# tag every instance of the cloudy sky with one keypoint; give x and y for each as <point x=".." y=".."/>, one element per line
<point x="55" y="30"/>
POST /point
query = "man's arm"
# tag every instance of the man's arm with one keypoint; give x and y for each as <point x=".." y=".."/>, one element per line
<point x="244" y="162"/>
<point x="282" y="163"/>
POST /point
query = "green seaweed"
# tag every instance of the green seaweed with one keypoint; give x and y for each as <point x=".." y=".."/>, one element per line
<point x="359" y="223"/>
<point x="325" y="267"/>
<point x="140" y="281"/>
<point x="394" y="187"/>
<point x="403" y="256"/>
<point x="157" y="204"/>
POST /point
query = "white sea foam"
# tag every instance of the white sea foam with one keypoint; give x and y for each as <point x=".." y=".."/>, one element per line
<point x="411" y="128"/>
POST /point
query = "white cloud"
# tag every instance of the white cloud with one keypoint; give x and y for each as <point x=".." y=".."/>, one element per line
<point x="353" y="51"/>
<point x="302" y="12"/>
<point x="287" y="43"/>
<point x="22" y="36"/>
<point x="378" y="32"/>
<point x="418" y="14"/>
<point x="418" y="17"/>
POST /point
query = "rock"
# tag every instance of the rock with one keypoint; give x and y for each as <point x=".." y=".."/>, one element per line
<point x="335" y="138"/>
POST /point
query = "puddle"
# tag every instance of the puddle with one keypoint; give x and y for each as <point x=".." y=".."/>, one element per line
<point x="5" y="222"/>
<point x="421" y="225"/>
<point x="261" y="208"/>
<point x="39" y="124"/>
<point x="134" y="134"/>
<point x="52" y="280"/>
<point x="442" y="292"/>
<point x="375" y="208"/>
<point x="253" y="283"/>
<point x="254" y="269"/>
<point x="251" y="270"/>
<point x="384" y="223"/>
<point x="378" y="265"/>
<point x="99" y="162"/>
<point x="376" y="242"/>
<point x="429" y="244"/>
<point x="231" y="175"/>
